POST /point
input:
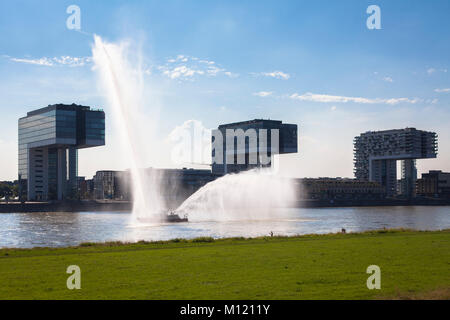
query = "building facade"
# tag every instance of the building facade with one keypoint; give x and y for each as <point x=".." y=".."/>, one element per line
<point x="339" y="188"/>
<point x="376" y="154"/>
<point x="48" y="142"/>
<point x="434" y="184"/>
<point x="251" y="142"/>
<point x="175" y="185"/>
<point x="104" y="184"/>
<point x="112" y="185"/>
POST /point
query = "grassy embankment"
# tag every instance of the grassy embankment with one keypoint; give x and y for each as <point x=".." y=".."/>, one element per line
<point x="413" y="265"/>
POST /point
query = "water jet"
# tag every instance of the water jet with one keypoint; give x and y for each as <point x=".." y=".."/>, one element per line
<point x="121" y="82"/>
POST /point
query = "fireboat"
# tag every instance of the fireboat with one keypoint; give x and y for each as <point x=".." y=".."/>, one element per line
<point x="172" y="217"/>
<point x="165" y="217"/>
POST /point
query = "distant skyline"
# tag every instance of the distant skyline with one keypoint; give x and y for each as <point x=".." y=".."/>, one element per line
<point x="312" y="63"/>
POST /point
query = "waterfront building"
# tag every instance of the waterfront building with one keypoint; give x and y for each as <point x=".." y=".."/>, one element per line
<point x="81" y="187"/>
<point x="49" y="139"/>
<point x="122" y="185"/>
<point x="89" y="195"/>
<point x="376" y="154"/>
<point x="175" y="185"/>
<point x="251" y="142"/>
<point x="104" y="184"/>
<point x="112" y="185"/>
<point x="435" y="184"/>
<point x="339" y="188"/>
<point x="179" y="184"/>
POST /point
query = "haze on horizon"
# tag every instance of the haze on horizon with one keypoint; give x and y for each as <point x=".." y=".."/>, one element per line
<point x="210" y="63"/>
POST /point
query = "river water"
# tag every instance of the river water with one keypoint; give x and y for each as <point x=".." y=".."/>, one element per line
<point x="25" y="230"/>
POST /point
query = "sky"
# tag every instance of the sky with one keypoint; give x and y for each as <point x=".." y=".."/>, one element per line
<point x="312" y="63"/>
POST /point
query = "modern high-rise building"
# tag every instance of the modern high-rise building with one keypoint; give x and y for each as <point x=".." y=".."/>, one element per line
<point x="48" y="142"/>
<point x="251" y="143"/>
<point x="377" y="152"/>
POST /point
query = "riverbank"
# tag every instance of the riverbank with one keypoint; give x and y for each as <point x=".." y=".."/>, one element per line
<point x="121" y="206"/>
<point x="67" y="206"/>
<point x="333" y="266"/>
<point x="342" y="203"/>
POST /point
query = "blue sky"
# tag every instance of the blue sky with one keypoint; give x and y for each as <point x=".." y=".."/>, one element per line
<point x="313" y="63"/>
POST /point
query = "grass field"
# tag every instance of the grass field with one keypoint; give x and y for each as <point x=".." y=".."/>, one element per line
<point x="413" y="265"/>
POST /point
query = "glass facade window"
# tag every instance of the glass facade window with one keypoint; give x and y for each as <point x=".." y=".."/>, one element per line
<point x="95" y="126"/>
<point x="33" y="129"/>
<point x="52" y="173"/>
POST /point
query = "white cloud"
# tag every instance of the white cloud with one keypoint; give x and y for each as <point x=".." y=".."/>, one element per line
<point x="213" y="70"/>
<point x="432" y="101"/>
<point x="231" y="74"/>
<point x="72" y="61"/>
<point x="388" y="79"/>
<point x="275" y="74"/>
<point x="186" y="68"/>
<point x="207" y="62"/>
<point x="263" y="93"/>
<point x="181" y="72"/>
<point x="41" y="62"/>
<point x="333" y="108"/>
<point x="442" y="90"/>
<point x="434" y="70"/>
<point x="55" y="61"/>
<point x="342" y="99"/>
<point x="180" y="57"/>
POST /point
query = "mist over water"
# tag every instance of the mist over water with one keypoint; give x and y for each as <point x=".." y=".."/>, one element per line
<point x="121" y="83"/>
<point x="251" y="195"/>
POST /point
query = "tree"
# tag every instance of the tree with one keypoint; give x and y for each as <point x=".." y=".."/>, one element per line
<point x="8" y="189"/>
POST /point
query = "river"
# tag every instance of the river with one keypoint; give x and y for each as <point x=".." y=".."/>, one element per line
<point x="26" y="230"/>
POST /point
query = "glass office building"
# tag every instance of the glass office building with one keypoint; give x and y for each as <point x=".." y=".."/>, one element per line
<point x="48" y="142"/>
<point x="252" y="148"/>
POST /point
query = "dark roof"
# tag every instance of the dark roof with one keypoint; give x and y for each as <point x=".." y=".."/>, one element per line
<point x="250" y="122"/>
<point x="68" y="107"/>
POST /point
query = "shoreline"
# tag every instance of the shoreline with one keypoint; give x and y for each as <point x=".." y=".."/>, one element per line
<point x="124" y="206"/>
<point x="159" y="244"/>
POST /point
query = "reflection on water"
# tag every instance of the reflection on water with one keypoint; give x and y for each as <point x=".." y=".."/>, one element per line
<point x="64" y="229"/>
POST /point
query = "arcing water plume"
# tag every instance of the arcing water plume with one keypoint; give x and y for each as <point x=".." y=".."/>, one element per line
<point x="250" y="195"/>
<point x="121" y="82"/>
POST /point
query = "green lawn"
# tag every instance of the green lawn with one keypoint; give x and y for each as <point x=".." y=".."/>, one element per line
<point x="305" y="267"/>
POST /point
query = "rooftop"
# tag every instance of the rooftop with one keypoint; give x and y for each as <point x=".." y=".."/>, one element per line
<point x="395" y="131"/>
<point x="277" y="122"/>
<point x="60" y="106"/>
